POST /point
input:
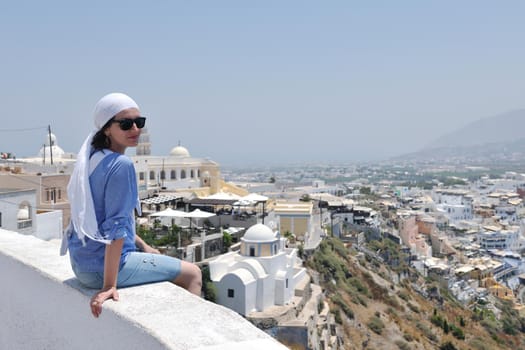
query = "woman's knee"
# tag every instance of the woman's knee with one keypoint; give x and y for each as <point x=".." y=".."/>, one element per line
<point x="190" y="276"/>
<point x="193" y="270"/>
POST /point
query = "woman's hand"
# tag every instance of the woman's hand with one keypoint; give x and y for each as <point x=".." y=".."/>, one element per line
<point x="100" y="297"/>
<point x="150" y="249"/>
<point x="144" y="247"/>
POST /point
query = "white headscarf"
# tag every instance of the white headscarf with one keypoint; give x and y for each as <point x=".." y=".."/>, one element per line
<point x="83" y="215"/>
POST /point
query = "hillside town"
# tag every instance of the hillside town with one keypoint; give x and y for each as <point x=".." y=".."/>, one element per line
<point x="251" y="230"/>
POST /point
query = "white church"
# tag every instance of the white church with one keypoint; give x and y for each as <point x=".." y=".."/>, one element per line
<point x="263" y="274"/>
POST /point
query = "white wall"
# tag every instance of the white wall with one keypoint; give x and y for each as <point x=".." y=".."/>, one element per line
<point x="44" y="307"/>
<point x="49" y="225"/>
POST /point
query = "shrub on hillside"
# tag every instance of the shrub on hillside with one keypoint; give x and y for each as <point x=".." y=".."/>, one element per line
<point x="337" y="300"/>
<point x="447" y="346"/>
<point x="427" y="332"/>
<point x="376" y="325"/>
<point x="402" y="345"/>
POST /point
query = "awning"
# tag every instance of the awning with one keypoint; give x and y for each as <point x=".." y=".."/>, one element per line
<point x="161" y="199"/>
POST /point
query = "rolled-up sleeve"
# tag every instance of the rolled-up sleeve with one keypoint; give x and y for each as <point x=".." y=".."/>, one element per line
<point x="119" y="200"/>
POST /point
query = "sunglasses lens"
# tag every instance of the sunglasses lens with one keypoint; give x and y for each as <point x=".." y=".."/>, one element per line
<point x="126" y="124"/>
<point x="140" y="122"/>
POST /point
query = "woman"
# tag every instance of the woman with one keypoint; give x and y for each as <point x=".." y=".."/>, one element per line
<point x="103" y="196"/>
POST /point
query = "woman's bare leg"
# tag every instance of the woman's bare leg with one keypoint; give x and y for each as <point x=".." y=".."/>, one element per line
<point x="190" y="278"/>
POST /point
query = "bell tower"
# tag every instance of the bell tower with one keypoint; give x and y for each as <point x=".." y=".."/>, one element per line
<point x="144" y="146"/>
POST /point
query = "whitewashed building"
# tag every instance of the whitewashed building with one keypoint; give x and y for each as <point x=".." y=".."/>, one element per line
<point x="456" y="205"/>
<point x="494" y="237"/>
<point x="263" y="274"/>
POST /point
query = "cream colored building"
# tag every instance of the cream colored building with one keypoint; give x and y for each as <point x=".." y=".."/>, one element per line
<point x="50" y="190"/>
<point x="295" y="218"/>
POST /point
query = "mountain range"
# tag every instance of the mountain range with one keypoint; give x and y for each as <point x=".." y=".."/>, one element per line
<point x="500" y="137"/>
<point x="501" y="128"/>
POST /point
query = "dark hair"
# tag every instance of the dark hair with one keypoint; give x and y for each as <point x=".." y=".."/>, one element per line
<point x="100" y="140"/>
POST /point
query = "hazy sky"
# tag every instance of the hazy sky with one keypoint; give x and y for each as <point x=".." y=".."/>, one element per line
<point x="261" y="82"/>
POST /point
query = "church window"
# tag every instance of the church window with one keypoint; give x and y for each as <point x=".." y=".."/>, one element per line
<point x="192" y="174"/>
<point x="198" y="173"/>
<point x="173" y="175"/>
<point x="183" y="174"/>
<point x="141" y="176"/>
<point x="287" y="283"/>
<point x="152" y="175"/>
<point x="162" y="175"/>
<point x="231" y="293"/>
<point x="51" y="195"/>
<point x="0" y="219"/>
<point x="252" y="251"/>
<point x="24" y="216"/>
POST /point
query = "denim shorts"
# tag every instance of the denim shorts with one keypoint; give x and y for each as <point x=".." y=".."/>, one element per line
<point x="140" y="268"/>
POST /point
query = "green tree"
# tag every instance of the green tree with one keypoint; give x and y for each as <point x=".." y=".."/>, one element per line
<point x="462" y="321"/>
<point x="226" y="241"/>
<point x="209" y="290"/>
<point x="445" y="327"/>
<point x="300" y="251"/>
<point x="365" y="190"/>
<point x="147" y="235"/>
<point x="457" y="332"/>
<point x="305" y="198"/>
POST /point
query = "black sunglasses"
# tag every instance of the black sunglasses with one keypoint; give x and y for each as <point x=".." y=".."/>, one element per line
<point x="127" y="123"/>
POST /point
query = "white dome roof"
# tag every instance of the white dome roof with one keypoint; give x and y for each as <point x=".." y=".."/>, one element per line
<point x="55" y="150"/>
<point x="47" y="139"/>
<point x="259" y="233"/>
<point x="179" y="151"/>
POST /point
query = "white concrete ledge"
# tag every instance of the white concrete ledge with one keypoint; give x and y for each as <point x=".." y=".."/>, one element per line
<point x="42" y="306"/>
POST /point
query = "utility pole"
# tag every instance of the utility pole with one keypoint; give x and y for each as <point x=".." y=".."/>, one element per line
<point x="50" y="144"/>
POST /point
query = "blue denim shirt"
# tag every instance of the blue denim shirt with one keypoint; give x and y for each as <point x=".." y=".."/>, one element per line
<point x="114" y="190"/>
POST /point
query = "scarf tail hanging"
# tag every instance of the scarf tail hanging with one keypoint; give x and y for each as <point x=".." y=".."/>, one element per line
<point x="83" y="215"/>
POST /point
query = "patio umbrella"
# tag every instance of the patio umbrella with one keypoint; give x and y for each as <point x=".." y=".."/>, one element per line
<point x="197" y="214"/>
<point x="256" y="199"/>
<point x="168" y="212"/>
<point x="171" y="213"/>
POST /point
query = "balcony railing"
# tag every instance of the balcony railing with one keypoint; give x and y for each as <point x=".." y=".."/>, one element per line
<point x="25" y="224"/>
